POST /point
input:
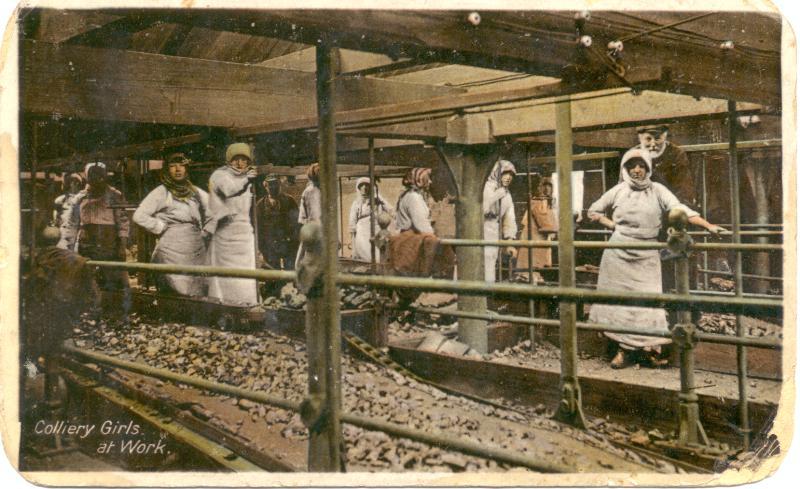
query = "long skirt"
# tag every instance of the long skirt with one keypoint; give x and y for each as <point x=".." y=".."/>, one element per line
<point x="182" y="244"/>
<point x="491" y="232"/>
<point x="634" y="270"/>
<point x="362" y="249"/>
<point x="233" y="246"/>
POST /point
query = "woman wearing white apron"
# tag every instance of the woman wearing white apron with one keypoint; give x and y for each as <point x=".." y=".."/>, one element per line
<point x="498" y="214"/>
<point x="176" y="211"/>
<point x="360" y="220"/>
<point x="232" y="238"/>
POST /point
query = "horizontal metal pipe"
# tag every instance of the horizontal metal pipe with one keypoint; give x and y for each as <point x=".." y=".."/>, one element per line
<point x="691" y="233"/>
<point x="436" y="438"/>
<point x="165" y="374"/>
<point x="202" y="270"/>
<point x="554" y="323"/>
<point x="477" y="287"/>
<point x="744" y="275"/>
<point x="439" y="439"/>
<point x="625" y="297"/>
<point x="607" y="245"/>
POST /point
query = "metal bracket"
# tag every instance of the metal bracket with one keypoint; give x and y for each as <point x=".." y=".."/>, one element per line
<point x="569" y="408"/>
<point x="313" y="413"/>
<point x="684" y="335"/>
<point x="309" y="267"/>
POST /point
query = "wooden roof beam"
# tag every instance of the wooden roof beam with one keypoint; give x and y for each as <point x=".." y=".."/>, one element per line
<point x="105" y="84"/>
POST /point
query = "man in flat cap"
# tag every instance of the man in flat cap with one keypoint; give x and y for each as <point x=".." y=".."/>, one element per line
<point x="670" y="163"/>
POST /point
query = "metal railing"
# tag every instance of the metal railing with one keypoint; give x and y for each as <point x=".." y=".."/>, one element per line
<point x="438" y="439"/>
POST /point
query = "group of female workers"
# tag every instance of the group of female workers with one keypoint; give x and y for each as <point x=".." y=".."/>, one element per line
<point x="190" y="221"/>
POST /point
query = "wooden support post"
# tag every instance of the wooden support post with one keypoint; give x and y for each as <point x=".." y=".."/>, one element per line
<point x="569" y="409"/>
<point x="470" y="164"/>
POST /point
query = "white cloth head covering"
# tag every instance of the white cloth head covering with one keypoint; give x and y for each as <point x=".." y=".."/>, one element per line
<point x="645" y="156"/>
<point x="499" y="168"/>
<point x="98" y="164"/>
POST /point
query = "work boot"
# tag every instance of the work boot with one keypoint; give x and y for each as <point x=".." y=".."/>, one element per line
<point x="619" y="360"/>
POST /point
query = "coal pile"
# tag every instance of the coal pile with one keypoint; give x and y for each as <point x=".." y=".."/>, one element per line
<point x="350" y="297"/>
<point x="725" y="324"/>
<point x="277" y="366"/>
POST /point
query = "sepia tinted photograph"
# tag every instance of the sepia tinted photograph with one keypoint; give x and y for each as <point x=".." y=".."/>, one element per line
<point x="418" y="245"/>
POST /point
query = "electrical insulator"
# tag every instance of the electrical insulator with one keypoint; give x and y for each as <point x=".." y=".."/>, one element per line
<point x="583" y="15"/>
<point x="616" y="46"/>
<point x="585" y="41"/>
<point x="474" y="18"/>
<point x="727" y="46"/>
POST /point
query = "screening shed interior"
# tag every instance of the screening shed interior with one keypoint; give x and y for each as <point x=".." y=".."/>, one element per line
<point x="552" y="91"/>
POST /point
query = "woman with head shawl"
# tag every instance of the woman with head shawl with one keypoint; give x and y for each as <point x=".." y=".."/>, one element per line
<point x="230" y="197"/>
<point x="542" y="223"/>
<point x="498" y="214"/>
<point x="310" y="205"/>
<point x="636" y="206"/>
<point x="413" y="212"/>
<point x="68" y="217"/>
<point x="360" y="219"/>
<point x="176" y="212"/>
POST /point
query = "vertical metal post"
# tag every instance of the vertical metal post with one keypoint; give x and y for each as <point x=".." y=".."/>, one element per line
<point x="372" y="190"/>
<point x="325" y="441"/>
<point x="569" y="409"/>
<point x="689" y="427"/>
<point x="704" y="204"/>
<point x="741" y="352"/>
<point x="529" y="224"/>
<point x="340" y="222"/>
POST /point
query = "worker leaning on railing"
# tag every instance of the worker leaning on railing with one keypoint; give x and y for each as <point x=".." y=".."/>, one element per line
<point x="636" y="208"/>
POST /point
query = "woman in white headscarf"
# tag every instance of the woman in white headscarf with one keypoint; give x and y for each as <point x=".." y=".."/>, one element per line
<point x="176" y="211"/>
<point x="232" y="237"/>
<point x="636" y="207"/>
<point x="360" y="220"/>
<point x="498" y="214"/>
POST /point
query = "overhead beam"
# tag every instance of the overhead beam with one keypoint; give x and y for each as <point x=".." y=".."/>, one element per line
<point x="58" y="26"/>
<point x="149" y="147"/>
<point x="104" y="84"/>
<point x="537" y="42"/>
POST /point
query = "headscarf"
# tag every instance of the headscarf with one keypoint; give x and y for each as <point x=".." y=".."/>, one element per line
<point x="373" y="188"/>
<point x="493" y="191"/>
<point x="644" y="155"/>
<point x="73" y="177"/>
<point x="313" y="173"/>
<point x="238" y="149"/>
<point x="419" y="178"/>
<point x="93" y="190"/>
<point x="184" y="190"/>
<point x="502" y="166"/>
<point x="88" y="166"/>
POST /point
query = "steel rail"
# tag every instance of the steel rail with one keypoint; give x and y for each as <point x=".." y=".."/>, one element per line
<point x="744" y="275"/>
<point x="474" y="287"/>
<point x="750" y="341"/>
<point x="692" y="233"/>
<point x="655" y="245"/>
<point x="433" y="438"/>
